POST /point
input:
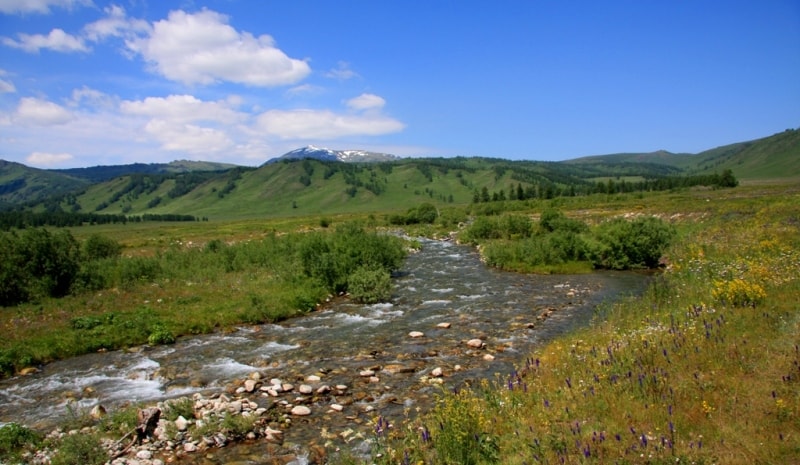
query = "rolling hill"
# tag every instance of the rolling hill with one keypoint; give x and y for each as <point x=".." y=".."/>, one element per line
<point x="317" y="181"/>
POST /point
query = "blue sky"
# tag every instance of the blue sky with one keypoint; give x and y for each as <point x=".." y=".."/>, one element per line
<point x="89" y="82"/>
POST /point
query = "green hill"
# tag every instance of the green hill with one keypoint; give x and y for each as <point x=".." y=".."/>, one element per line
<point x="310" y="186"/>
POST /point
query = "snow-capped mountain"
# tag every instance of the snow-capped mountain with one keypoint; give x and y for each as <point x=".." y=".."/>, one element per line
<point x="347" y="156"/>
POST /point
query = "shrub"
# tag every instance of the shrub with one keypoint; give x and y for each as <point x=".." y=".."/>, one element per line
<point x="96" y="247"/>
<point x="627" y="244"/>
<point x="370" y="285"/>
<point x="160" y="335"/>
<point x="14" y="439"/>
<point x="85" y="449"/>
<point x="738" y="293"/>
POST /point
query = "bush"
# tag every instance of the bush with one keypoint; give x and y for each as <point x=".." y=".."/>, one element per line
<point x="84" y="449"/>
<point x="96" y="247"/>
<point x="370" y="285"/>
<point x="160" y="335"/>
<point x="627" y="244"/>
<point x="14" y="439"/>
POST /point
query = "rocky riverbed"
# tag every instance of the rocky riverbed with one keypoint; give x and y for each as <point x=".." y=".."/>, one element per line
<point x="291" y="393"/>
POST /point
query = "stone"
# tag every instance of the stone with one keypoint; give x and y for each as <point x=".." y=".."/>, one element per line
<point x="443" y="325"/>
<point x="300" y="411"/>
<point x="190" y="447"/>
<point x="305" y="389"/>
<point x="488" y="357"/>
<point x="250" y="385"/>
<point x="144" y="455"/>
<point x="415" y="334"/>
<point x="374" y="379"/>
<point x="324" y="389"/>
<point x="255" y="376"/>
<point x="366" y="373"/>
<point x="28" y="371"/>
<point x="97" y="412"/>
<point x="287" y="387"/>
<point x="337" y="407"/>
<point x="235" y="406"/>
<point x="437" y="372"/>
<point x="181" y="423"/>
<point x="313" y="379"/>
<point x="475" y="343"/>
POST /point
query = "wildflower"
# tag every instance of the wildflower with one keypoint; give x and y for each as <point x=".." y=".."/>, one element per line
<point x="707" y="408"/>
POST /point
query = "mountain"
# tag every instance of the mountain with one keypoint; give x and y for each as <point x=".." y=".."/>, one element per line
<point x="775" y="156"/>
<point x="21" y="184"/>
<point x="317" y="181"/>
<point x="104" y="173"/>
<point x="324" y="154"/>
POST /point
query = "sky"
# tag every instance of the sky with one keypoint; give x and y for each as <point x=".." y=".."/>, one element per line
<point x="90" y="82"/>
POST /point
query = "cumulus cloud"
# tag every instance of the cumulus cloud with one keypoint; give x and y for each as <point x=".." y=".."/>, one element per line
<point x="202" y="48"/>
<point x="366" y="102"/>
<point x="188" y="138"/>
<point x="48" y="159"/>
<point x="38" y="6"/>
<point x="115" y="24"/>
<point x="183" y="108"/>
<point x="38" y="112"/>
<point x="57" y="40"/>
<point x="324" y="124"/>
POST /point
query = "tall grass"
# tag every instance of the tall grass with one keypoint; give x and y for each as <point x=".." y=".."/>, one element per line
<point x="703" y="368"/>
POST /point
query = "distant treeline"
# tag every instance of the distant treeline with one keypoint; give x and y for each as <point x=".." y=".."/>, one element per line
<point x="548" y="190"/>
<point x="23" y="219"/>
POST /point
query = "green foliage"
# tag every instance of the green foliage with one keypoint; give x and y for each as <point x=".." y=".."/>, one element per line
<point x="181" y="407"/>
<point x="98" y="247"/>
<point x="459" y="431"/>
<point x="84" y="449"/>
<point x="237" y="426"/>
<point x="332" y="258"/>
<point x="15" y="439"/>
<point x="638" y="243"/>
<point x="160" y="335"/>
<point x="370" y="285"/>
<point x="37" y="264"/>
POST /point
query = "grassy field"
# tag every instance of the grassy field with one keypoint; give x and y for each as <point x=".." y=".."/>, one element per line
<point x="704" y="368"/>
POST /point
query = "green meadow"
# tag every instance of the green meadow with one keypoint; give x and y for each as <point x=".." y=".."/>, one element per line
<point x="702" y="368"/>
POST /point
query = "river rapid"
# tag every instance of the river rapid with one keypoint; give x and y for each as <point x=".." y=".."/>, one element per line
<point x="442" y="285"/>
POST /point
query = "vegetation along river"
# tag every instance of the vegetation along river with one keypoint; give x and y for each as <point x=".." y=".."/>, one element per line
<point x="442" y="285"/>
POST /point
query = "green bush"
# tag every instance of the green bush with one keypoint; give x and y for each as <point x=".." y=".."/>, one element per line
<point x="84" y="449"/>
<point x="370" y="285"/>
<point x="96" y="247"/>
<point x="639" y="243"/>
<point x="160" y="335"/>
<point x="15" y="439"/>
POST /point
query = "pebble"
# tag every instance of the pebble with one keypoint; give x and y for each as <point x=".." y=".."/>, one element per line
<point x="437" y="372"/>
<point x="144" y="455"/>
<point x="415" y="334"/>
<point x="476" y="343"/>
<point x="305" y="389"/>
<point x="300" y="411"/>
<point x="443" y="325"/>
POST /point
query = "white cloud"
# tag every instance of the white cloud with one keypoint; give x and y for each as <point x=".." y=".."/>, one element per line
<point x="342" y="72"/>
<point x="366" y="102"/>
<point x="189" y="138"/>
<point x="48" y="159"/>
<point x="324" y="124"/>
<point x="38" y="6"/>
<point x="201" y="48"/>
<point x="37" y="112"/>
<point x="6" y="87"/>
<point x="115" y="24"/>
<point x="57" y="40"/>
<point x="183" y="108"/>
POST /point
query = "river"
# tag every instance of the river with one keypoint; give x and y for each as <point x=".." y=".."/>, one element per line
<point x="443" y="283"/>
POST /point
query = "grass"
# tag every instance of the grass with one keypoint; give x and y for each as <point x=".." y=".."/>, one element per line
<point x="704" y="368"/>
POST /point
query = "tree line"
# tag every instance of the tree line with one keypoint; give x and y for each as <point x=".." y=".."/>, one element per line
<point x="26" y="219"/>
